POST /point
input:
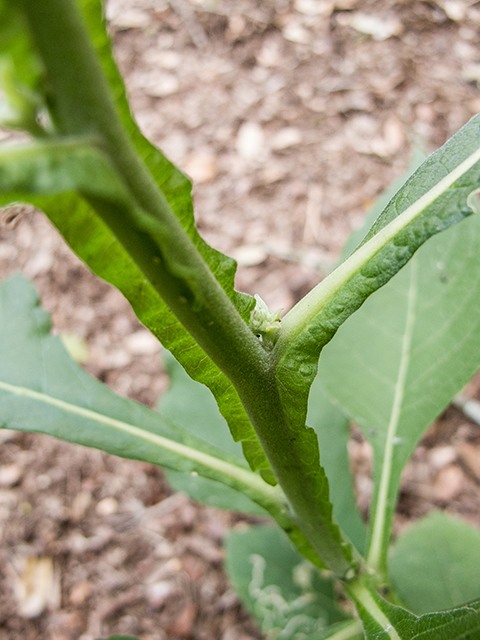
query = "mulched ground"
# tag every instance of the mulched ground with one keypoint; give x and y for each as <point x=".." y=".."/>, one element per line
<point x="291" y="117"/>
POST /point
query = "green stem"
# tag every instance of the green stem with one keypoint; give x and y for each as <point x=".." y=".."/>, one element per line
<point x="82" y="104"/>
<point x="365" y="598"/>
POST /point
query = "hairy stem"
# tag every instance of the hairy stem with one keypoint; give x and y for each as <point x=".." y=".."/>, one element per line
<point x="364" y="597"/>
<point x="82" y="104"/>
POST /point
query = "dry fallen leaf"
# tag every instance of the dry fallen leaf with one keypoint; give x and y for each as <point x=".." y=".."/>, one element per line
<point x="36" y="586"/>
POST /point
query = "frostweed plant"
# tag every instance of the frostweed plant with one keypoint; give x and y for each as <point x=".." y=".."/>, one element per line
<point x="393" y="367"/>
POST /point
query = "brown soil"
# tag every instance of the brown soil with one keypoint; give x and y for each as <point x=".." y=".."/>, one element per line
<point x="291" y="121"/>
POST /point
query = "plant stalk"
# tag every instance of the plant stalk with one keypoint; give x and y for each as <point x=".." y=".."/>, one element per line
<point x="362" y="593"/>
<point x="82" y="104"/>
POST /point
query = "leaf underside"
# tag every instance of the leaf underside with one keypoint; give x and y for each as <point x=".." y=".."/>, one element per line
<point x="288" y="597"/>
<point x="298" y="360"/>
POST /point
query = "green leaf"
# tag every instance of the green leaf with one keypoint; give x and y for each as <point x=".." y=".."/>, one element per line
<point x="397" y="363"/>
<point x="43" y="390"/>
<point x="434" y="564"/>
<point x="191" y="406"/>
<point x="95" y="243"/>
<point x="287" y="596"/>
<point x="177" y="189"/>
<point x="333" y="431"/>
<point x="384" y="621"/>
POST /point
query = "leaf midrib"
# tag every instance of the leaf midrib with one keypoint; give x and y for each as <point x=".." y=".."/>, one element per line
<point x="234" y="472"/>
<point x="303" y="314"/>
<point x="378" y="525"/>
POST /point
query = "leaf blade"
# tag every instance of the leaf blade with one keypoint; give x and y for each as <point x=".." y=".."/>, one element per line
<point x="437" y="196"/>
<point x="433" y="565"/>
<point x="177" y="190"/>
<point x="39" y="379"/>
<point x="284" y="594"/>
<point x="43" y="390"/>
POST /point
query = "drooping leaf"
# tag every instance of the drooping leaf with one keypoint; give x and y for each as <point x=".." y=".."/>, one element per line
<point x="397" y="363"/>
<point x="95" y="243"/>
<point x="333" y="431"/>
<point x="437" y="196"/>
<point x="288" y="597"/>
<point x="191" y="406"/>
<point x="384" y="621"/>
<point x="43" y="390"/>
<point x="434" y="564"/>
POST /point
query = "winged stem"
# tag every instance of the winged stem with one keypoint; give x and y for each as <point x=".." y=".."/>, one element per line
<point x="151" y="233"/>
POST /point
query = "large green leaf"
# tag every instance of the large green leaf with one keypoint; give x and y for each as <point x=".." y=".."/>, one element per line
<point x="435" y="564"/>
<point x="437" y="196"/>
<point x="95" y="243"/>
<point x="43" y="390"/>
<point x="398" y="362"/>
<point x="288" y="597"/>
